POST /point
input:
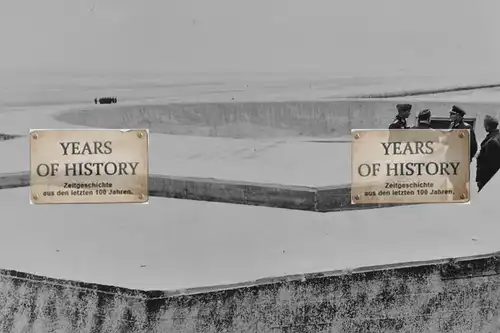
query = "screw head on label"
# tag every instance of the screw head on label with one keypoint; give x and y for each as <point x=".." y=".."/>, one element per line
<point x="356" y="197"/>
<point x="461" y="135"/>
<point x="140" y="135"/>
<point x="462" y="196"/>
<point x="357" y="136"/>
<point x="34" y="136"/>
<point x="141" y="196"/>
<point x="35" y="197"/>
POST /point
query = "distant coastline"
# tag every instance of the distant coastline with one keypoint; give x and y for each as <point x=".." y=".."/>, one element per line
<point x="58" y="90"/>
<point x="429" y="91"/>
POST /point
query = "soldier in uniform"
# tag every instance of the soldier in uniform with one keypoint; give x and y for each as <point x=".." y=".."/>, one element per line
<point x="404" y="111"/>
<point x="457" y="122"/>
<point x="488" y="160"/>
<point x="424" y="120"/>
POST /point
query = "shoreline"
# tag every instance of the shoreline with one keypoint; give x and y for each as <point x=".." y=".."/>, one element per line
<point x="241" y="92"/>
<point x="427" y="91"/>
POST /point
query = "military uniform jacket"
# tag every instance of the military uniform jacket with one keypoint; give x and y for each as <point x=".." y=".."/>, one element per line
<point x="488" y="160"/>
<point x="398" y="123"/>
<point x="473" y="141"/>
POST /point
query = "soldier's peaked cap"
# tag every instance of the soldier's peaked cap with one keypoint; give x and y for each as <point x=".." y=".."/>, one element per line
<point x="403" y="107"/>
<point x="458" y="110"/>
<point x="424" y="114"/>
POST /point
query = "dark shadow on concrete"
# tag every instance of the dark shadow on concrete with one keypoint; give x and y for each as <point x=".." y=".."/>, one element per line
<point x="5" y="137"/>
<point x="14" y="180"/>
<point x="322" y="199"/>
<point x="448" y="295"/>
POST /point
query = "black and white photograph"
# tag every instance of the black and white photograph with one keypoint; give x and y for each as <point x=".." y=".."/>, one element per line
<point x="239" y="213"/>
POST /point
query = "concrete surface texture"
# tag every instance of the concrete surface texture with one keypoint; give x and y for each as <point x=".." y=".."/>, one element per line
<point x="260" y="161"/>
<point x="149" y="246"/>
<point x="324" y="256"/>
<point x="320" y="199"/>
<point x="440" y="296"/>
<point x="146" y="247"/>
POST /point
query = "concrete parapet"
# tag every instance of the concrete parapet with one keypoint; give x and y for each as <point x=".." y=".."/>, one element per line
<point x="246" y="193"/>
<point x="338" y="198"/>
<point x="448" y="295"/>
<point x="321" y="199"/>
<point x="14" y="180"/>
<point x="33" y="303"/>
<point x="5" y="137"/>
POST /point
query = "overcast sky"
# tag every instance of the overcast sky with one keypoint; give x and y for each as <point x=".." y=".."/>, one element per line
<point x="250" y="35"/>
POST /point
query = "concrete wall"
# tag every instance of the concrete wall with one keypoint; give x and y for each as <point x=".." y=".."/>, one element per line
<point x="35" y="304"/>
<point x="322" y="199"/>
<point x="266" y="119"/>
<point x="442" y="296"/>
<point x="318" y="199"/>
<point x="5" y="137"/>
